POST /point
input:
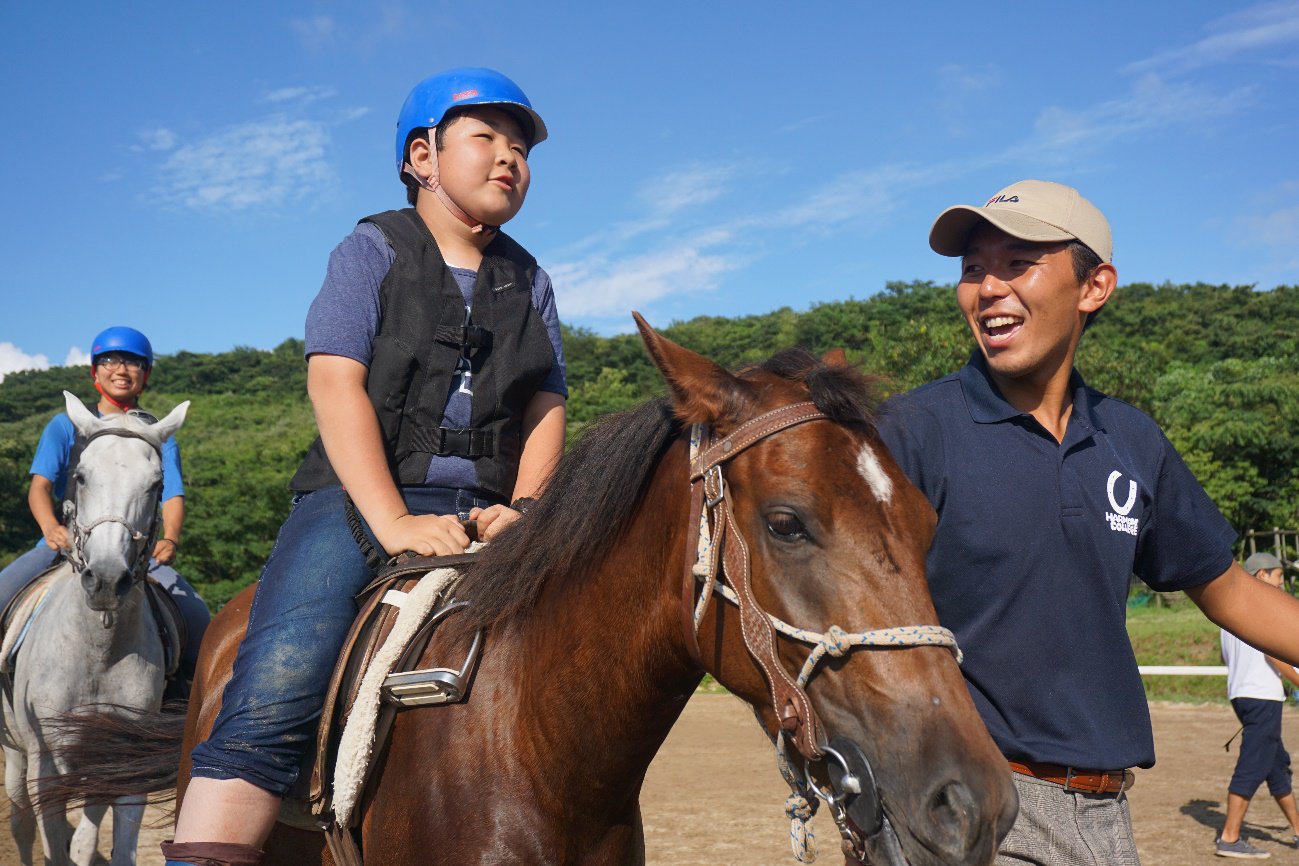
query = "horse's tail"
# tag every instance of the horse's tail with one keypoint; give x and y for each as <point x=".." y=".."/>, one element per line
<point x="114" y="751"/>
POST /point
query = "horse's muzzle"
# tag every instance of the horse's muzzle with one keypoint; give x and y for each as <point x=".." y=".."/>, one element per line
<point x="105" y="588"/>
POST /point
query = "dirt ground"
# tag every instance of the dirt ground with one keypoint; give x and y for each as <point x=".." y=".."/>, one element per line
<point x="713" y="795"/>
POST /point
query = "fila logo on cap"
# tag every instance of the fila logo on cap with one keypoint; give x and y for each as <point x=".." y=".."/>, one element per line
<point x="1002" y="199"/>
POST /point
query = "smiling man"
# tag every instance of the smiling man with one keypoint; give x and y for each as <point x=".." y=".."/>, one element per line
<point x="1049" y="496"/>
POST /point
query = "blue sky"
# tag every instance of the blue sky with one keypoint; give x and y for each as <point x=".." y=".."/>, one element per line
<point x="187" y="167"/>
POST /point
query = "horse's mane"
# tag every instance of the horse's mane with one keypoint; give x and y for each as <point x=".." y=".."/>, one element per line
<point x="599" y="482"/>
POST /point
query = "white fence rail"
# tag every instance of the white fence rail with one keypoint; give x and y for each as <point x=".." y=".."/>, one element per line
<point x="1183" y="670"/>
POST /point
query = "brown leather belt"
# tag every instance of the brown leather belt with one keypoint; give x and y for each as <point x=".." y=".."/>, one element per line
<point x="1075" y="779"/>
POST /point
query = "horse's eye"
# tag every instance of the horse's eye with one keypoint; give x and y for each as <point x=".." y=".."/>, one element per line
<point x="786" y="526"/>
<point x="79" y="477"/>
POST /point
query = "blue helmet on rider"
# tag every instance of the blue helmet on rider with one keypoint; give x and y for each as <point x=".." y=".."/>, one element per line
<point x="432" y="98"/>
<point x="121" y="339"/>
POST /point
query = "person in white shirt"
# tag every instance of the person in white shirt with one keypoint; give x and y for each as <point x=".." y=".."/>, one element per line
<point x="1254" y="687"/>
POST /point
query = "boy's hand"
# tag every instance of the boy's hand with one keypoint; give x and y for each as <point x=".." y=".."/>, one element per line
<point x="425" y="534"/>
<point x="491" y="521"/>
<point x="57" y="537"/>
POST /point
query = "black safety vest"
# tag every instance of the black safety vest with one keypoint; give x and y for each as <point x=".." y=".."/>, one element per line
<point x="421" y="338"/>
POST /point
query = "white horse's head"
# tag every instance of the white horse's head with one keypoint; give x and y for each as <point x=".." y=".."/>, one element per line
<point x="114" y="494"/>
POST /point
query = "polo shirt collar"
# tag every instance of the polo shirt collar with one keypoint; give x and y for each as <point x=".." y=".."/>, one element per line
<point x="987" y="406"/>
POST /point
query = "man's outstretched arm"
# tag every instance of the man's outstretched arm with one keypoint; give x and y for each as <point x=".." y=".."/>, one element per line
<point x="1263" y="616"/>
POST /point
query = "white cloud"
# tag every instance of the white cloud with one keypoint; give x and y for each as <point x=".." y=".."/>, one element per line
<point x="870" y="194"/>
<point x="350" y="114"/>
<point x="316" y="32"/>
<point x="1247" y="33"/>
<point x="611" y="286"/>
<point x="259" y="164"/>
<point x="686" y="188"/>
<point x="1151" y="104"/>
<point x="802" y="122"/>
<point x="155" y="139"/>
<point x="963" y="79"/>
<point x="76" y="357"/>
<point x="1279" y="229"/>
<point x="600" y="278"/>
<point x="14" y="359"/>
<point x="298" y="96"/>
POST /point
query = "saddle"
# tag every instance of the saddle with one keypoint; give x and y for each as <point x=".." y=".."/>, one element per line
<point x="19" y="615"/>
<point x="311" y="805"/>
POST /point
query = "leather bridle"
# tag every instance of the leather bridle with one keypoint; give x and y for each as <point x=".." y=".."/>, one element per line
<point x="718" y="555"/>
<point x="141" y="542"/>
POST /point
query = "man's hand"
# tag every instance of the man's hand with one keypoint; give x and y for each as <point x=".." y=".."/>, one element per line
<point x="492" y="521"/>
<point x="164" y="551"/>
<point x="425" y="534"/>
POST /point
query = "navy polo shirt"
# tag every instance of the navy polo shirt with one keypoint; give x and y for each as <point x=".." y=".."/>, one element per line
<point x="1034" y="549"/>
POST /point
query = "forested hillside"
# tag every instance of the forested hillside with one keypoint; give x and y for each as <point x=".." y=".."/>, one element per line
<point x="1217" y="366"/>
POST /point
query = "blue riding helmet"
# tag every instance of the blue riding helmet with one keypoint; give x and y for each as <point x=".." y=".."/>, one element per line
<point x="121" y="339"/>
<point x="433" y="97"/>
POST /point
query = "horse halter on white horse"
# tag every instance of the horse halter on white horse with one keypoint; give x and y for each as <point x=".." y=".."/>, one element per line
<point x="853" y="798"/>
<point x="141" y="541"/>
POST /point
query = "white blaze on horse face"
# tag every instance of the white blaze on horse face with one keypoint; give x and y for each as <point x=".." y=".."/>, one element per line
<point x="869" y="466"/>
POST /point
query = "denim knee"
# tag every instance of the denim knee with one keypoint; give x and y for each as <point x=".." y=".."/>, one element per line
<point x="300" y="616"/>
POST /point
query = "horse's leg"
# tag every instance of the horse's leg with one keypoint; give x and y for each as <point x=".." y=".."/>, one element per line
<point x="22" y="822"/>
<point x="86" y="839"/>
<point x="56" y="831"/>
<point x="128" y="812"/>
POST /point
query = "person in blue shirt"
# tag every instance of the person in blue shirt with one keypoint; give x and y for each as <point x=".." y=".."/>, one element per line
<point x="436" y="373"/>
<point x="1049" y="496"/>
<point x="121" y="360"/>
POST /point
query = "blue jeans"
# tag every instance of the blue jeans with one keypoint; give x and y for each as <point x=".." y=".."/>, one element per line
<point x="20" y="572"/>
<point x="300" y="616"/>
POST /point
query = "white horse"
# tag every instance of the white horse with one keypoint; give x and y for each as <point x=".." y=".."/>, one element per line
<point x="93" y="640"/>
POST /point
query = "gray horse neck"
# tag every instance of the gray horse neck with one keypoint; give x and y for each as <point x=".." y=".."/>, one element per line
<point x="104" y="634"/>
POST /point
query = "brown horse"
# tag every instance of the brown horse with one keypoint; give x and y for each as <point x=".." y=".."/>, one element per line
<point x="592" y="649"/>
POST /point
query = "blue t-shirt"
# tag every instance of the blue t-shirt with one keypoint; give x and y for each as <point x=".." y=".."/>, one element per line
<point x="344" y="319"/>
<point x="1033" y="553"/>
<point x="55" y="449"/>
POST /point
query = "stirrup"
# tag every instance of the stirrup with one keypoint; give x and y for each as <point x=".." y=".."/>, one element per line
<point x="431" y="686"/>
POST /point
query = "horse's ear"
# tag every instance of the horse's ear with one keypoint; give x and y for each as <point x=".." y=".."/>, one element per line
<point x="167" y="427"/>
<point x="702" y="391"/>
<point x="836" y="358"/>
<point x="83" y="420"/>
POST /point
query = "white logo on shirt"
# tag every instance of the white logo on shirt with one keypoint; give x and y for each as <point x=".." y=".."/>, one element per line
<point x="1119" y="520"/>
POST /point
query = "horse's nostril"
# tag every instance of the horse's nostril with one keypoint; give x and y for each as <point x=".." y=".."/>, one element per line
<point x="954" y="817"/>
<point x="123" y="584"/>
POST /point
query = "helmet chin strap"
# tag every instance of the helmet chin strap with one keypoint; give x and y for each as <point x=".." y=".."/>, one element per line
<point x="433" y="184"/>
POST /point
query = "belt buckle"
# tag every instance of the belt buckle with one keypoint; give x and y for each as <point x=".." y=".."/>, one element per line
<point x="1068" y="779"/>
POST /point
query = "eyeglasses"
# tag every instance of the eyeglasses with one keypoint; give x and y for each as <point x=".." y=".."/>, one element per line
<point x="133" y="363"/>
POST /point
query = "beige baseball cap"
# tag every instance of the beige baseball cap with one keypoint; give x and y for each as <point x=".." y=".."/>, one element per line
<point x="1031" y="210"/>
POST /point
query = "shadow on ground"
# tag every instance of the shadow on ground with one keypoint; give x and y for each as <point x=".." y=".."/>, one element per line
<point x="1209" y="813"/>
